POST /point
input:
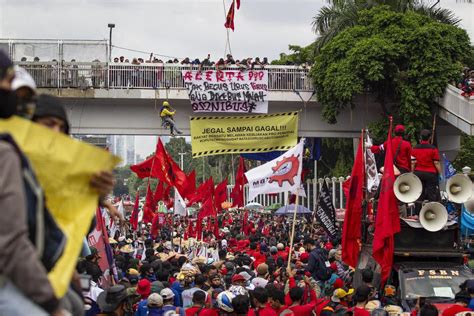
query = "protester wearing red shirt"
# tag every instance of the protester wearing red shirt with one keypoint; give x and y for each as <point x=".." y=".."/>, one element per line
<point x="461" y="302"/>
<point x="276" y="300"/>
<point x="361" y="297"/>
<point x="260" y="299"/>
<point x="426" y="166"/>
<point x="199" y="307"/>
<point x="401" y="150"/>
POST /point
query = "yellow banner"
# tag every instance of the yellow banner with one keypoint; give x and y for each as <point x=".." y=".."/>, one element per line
<point x="218" y="135"/>
<point x="64" y="167"/>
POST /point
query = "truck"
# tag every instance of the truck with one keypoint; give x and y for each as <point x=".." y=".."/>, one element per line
<point x="426" y="265"/>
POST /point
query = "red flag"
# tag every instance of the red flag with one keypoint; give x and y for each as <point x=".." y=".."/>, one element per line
<point x="237" y="194"/>
<point x="229" y="22"/>
<point x="159" y="192"/>
<point x="220" y="195"/>
<point x="190" y="185"/>
<point x="387" y="223"/>
<point x="143" y="169"/>
<point x="149" y="208"/>
<point x="134" y="217"/>
<point x="207" y="209"/>
<point x="205" y="189"/>
<point x="238" y="4"/>
<point x="178" y="178"/>
<point x="351" y="231"/>
<point x="154" y="226"/>
<point x="245" y="226"/>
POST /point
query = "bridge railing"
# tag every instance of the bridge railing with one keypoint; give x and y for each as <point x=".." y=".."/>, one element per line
<point x="312" y="188"/>
<point x="84" y="75"/>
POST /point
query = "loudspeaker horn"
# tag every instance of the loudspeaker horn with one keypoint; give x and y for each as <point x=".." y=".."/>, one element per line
<point x="433" y="216"/>
<point x="459" y="188"/>
<point x="469" y="205"/>
<point x="407" y="187"/>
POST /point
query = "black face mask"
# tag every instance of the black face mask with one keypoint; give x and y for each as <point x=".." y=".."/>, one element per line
<point x="7" y="103"/>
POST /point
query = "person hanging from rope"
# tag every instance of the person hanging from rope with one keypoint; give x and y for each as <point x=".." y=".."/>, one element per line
<point x="166" y="114"/>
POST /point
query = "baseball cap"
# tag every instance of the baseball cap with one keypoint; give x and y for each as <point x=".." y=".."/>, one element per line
<point x="400" y="128"/>
<point x="237" y="278"/>
<point x="23" y="79"/>
<point x="155" y="299"/>
<point x="144" y="287"/>
<point x="167" y="294"/>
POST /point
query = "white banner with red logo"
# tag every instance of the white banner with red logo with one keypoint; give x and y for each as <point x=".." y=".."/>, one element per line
<point x="226" y="91"/>
<point x="282" y="174"/>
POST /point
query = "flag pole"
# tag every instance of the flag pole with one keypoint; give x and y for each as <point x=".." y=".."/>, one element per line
<point x="292" y="236"/>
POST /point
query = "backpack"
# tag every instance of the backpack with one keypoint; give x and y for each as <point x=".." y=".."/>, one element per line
<point x="43" y="231"/>
<point x="322" y="272"/>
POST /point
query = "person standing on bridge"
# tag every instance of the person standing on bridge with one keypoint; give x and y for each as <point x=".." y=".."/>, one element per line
<point x="166" y="114"/>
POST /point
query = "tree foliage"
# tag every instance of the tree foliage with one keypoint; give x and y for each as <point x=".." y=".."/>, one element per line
<point x="404" y="59"/>
<point x="339" y="15"/>
<point x="465" y="156"/>
<point x="299" y="55"/>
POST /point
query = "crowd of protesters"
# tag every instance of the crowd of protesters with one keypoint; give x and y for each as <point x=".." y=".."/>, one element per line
<point x="147" y="73"/>
<point x="466" y="83"/>
<point x="245" y="267"/>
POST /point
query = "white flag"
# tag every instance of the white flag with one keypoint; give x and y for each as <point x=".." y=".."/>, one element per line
<point x="373" y="180"/>
<point x="121" y="209"/>
<point x="179" y="204"/>
<point x="279" y="175"/>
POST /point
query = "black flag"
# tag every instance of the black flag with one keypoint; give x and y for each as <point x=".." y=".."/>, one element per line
<point x="326" y="213"/>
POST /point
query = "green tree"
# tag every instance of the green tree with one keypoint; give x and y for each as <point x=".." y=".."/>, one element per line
<point x="404" y="59"/>
<point x="465" y="156"/>
<point x="339" y="15"/>
<point x="122" y="176"/>
<point x="299" y="55"/>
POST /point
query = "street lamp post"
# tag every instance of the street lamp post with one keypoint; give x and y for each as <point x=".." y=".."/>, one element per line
<point x="181" y="162"/>
<point x="111" y="26"/>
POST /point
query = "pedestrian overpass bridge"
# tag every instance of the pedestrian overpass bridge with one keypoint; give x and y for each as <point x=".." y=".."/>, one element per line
<point x="103" y="98"/>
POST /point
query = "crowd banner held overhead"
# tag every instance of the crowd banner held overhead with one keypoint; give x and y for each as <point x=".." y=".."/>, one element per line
<point x="243" y="134"/>
<point x="325" y="212"/>
<point x="227" y="91"/>
<point x="64" y="167"/>
<point x="282" y="174"/>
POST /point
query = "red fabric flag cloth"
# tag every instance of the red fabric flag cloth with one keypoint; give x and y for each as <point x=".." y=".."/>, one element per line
<point x="154" y="226"/>
<point x="351" y="231"/>
<point x="207" y="209"/>
<point x="143" y="169"/>
<point x="238" y="4"/>
<point x="245" y="225"/>
<point x="229" y="22"/>
<point x="190" y="187"/>
<point x="220" y="195"/>
<point x="134" y="217"/>
<point x="387" y="222"/>
<point x="149" y="208"/>
<point x="159" y="192"/>
<point x="205" y="189"/>
<point x="237" y="194"/>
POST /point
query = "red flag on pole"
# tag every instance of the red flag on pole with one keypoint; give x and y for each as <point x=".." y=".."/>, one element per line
<point x="149" y="208"/>
<point x="220" y="195"/>
<point x="351" y="231"/>
<point x="143" y="169"/>
<point x="229" y="22"/>
<point x="159" y="192"/>
<point x="205" y="189"/>
<point x="190" y="185"/>
<point x="387" y="223"/>
<point x="134" y="217"/>
<point x="237" y="194"/>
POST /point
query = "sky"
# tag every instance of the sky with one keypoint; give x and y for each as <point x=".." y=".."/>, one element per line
<point x="177" y="28"/>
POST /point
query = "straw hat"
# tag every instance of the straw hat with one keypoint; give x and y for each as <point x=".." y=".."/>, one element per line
<point x="127" y="249"/>
<point x="112" y="241"/>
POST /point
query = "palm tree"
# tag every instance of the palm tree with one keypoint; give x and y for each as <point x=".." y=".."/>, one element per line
<point x="341" y="14"/>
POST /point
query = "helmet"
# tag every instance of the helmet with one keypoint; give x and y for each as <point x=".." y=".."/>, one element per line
<point x="166" y="103"/>
<point x="224" y="301"/>
<point x="238" y="290"/>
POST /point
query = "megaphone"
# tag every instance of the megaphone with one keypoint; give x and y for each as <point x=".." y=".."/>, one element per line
<point x="407" y="188"/>
<point x="459" y="188"/>
<point x="433" y="216"/>
<point x="469" y="206"/>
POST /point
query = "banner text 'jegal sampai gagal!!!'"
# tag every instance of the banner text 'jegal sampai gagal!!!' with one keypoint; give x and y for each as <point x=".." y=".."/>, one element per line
<point x="227" y="91"/>
<point x="243" y="134"/>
